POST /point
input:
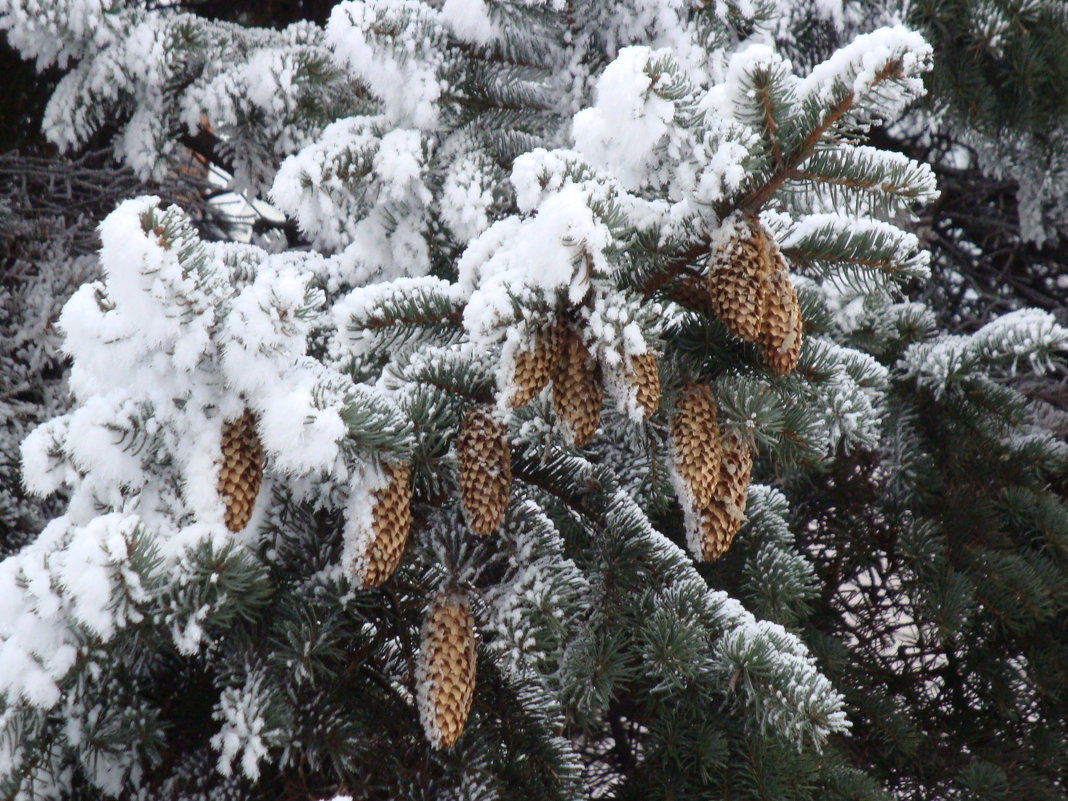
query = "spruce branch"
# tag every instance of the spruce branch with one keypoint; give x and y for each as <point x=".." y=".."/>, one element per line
<point x="759" y="197"/>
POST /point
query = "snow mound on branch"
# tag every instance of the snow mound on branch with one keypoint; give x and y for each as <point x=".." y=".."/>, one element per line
<point x="72" y="582"/>
<point x="629" y="120"/>
<point x="392" y="46"/>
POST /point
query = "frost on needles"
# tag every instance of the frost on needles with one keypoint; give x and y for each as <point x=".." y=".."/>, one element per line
<point x="468" y="177"/>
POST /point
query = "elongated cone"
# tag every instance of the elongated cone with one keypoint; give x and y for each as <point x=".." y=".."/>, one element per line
<point x="445" y="672"/>
<point x="695" y="444"/>
<point x="485" y="469"/>
<point x="715" y="525"/>
<point x="737" y="286"/>
<point x="780" y="337"/>
<point x="578" y="392"/>
<point x="534" y="366"/>
<point x="691" y="293"/>
<point x="374" y="551"/>
<point x="643" y="375"/>
<point x="240" y="470"/>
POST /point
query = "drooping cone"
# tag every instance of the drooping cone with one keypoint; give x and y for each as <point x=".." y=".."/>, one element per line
<point x="485" y="469"/>
<point x="691" y="293"/>
<point x="241" y="469"/>
<point x="378" y="519"/>
<point x="534" y="367"/>
<point x="445" y="672"/>
<point x="711" y="529"/>
<point x="695" y="444"/>
<point x="578" y="392"/>
<point x="737" y="271"/>
<point x="644" y="378"/>
<point x="780" y="337"/>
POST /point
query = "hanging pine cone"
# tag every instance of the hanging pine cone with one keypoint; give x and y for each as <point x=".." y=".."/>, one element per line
<point x="712" y="529"/>
<point x="445" y="673"/>
<point x="534" y="367"/>
<point x="737" y="272"/>
<point x="643" y="375"/>
<point x="241" y="469"/>
<point x="485" y="469"/>
<point x="578" y="393"/>
<point x="780" y="337"/>
<point x="690" y="293"/>
<point x="695" y="444"/>
<point x="377" y="526"/>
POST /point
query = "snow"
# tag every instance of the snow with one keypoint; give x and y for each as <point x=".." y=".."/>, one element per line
<point x="64" y="586"/>
<point x="898" y="249"/>
<point x="359" y="531"/>
<point x="194" y="346"/>
<point x="465" y="199"/>
<point x="850" y="402"/>
<point x="364" y="190"/>
<point x="400" y="64"/>
<point x="857" y="67"/>
<point x="1025" y="338"/>
<point x="527" y="606"/>
<point x="559" y="249"/>
<point x="470" y="20"/>
<point x="243" y="733"/>
<point x="629" y="120"/>
<point x="54" y="33"/>
<point x="354" y="313"/>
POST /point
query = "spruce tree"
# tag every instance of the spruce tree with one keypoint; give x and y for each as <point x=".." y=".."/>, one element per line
<point x="404" y="512"/>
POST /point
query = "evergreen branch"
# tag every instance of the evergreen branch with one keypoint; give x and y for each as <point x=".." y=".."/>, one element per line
<point x="759" y="197"/>
<point x="787" y="167"/>
<point x="771" y="126"/>
<point x="675" y="267"/>
<point x="377" y="323"/>
<point x="905" y="189"/>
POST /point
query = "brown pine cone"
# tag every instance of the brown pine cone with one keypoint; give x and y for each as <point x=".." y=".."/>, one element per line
<point x="375" y="546"/>
<point x="780" y="337"/>
<point x="534" y="366"/>
<point x="485" y="469"/>
<point x="240" y="470"/>
<point x="445" y="672"/>
<point x="643" y="375"/>
<point x="737" y="272"/>
<point x="713" y="528"/>
<point x="695" y="444"/>
<point x="578" y="392"/>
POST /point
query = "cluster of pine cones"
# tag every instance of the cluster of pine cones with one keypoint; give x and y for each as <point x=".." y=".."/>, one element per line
<point x="750" y="292"/>
<point x="558" y="356"/>
<point x="711" y="471"/>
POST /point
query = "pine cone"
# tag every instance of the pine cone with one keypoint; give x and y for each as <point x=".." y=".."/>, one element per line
<point x="780" y="337"/>
<point x="445" y="673"/>
<point x="737" y="273"/>
<point x="578" y="393"/>
<point x="690" y="293"/>
<point x="485" y="469"/>
<point x="713" y="528"/>
<point x="643" y="375"/>
<point x="374" y="546"/>
<point x="534" y="367"/>
<point x="241" y="470"/>
<point x="695" y="444"/>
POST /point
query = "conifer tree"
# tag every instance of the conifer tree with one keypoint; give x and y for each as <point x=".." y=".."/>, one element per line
<point x="576" y="248"/>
